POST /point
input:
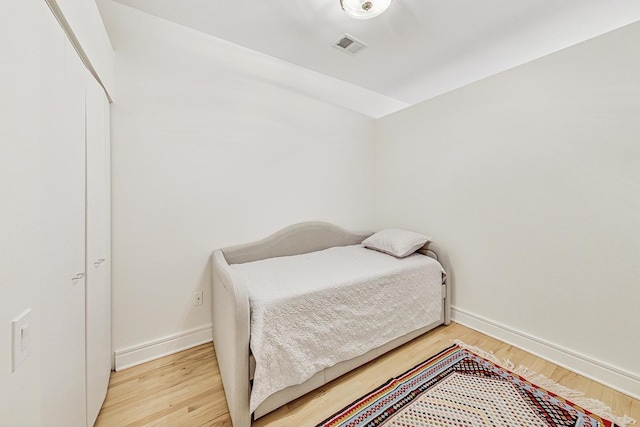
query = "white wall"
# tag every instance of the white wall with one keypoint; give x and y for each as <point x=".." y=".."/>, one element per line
<point x="531" y="178"/>
<point x="207" y="152"/>
<point x="20" y="220"/>
<point x="42" y="229"/>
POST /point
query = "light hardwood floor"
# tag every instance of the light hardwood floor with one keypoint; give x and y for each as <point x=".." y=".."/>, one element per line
<point x="185" y="389"/>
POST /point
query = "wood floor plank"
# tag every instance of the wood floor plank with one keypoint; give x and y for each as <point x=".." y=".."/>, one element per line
<point x="185" y="389"/>
<point x="635" y="410"/>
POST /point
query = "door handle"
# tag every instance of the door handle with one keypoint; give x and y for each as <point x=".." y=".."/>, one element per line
<point x="79" y="276"/>
<point x="98" y="262"/>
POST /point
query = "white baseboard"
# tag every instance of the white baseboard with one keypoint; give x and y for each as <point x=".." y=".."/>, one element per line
<point x="618" y="379"/>
<point x="156" y="349"/>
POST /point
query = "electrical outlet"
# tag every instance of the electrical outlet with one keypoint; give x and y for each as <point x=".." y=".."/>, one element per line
<point x="197" y="298"/>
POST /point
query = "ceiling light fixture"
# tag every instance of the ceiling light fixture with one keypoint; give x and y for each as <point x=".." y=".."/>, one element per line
<point x="364" y="9"/>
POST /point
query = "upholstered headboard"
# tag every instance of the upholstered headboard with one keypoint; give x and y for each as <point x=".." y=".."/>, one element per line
<point x="308" y="237"/>
<point x="296" y="239"/>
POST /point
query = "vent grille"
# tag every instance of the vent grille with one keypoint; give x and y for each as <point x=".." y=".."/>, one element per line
<point x="349" y="44"/>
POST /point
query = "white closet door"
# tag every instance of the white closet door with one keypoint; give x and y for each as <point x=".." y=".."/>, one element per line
<point x="62" y="161"/>
<point x="98" y="308"/>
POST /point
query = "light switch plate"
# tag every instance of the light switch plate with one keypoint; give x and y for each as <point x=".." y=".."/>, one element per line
<point x="21" y="333"/>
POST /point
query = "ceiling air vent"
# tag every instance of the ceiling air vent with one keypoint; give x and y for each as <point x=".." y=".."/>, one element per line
<point x="349" y="44"/>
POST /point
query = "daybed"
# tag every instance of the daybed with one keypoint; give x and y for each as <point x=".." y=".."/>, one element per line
<point x="232" y="315"/>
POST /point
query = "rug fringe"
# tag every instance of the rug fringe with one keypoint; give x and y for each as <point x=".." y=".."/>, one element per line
<point x="577" y="397"/>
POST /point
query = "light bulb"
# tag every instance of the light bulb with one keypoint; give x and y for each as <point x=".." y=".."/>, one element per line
<point x="364" y="9"/>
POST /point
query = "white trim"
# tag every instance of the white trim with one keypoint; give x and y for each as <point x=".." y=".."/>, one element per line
<point x="613" y="377"/>
<point x="66" y="27"/>
<point x="156" y="349"/>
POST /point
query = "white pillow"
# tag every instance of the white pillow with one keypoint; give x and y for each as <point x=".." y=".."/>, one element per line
<point x="396" y="242"/>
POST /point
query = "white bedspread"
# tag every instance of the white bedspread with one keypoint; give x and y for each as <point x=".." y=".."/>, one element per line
<point x="311" y="311"/>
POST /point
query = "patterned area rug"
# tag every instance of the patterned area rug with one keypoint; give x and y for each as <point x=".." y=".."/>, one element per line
<point x="464" y="386"/>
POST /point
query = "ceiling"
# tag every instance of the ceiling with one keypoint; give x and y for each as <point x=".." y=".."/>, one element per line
<point x="418" y="49"/>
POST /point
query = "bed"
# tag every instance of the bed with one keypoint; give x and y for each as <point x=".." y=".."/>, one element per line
<point x="284" y="278"/>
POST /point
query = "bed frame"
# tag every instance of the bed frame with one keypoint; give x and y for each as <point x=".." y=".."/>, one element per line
<point x="231" y="313"/>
